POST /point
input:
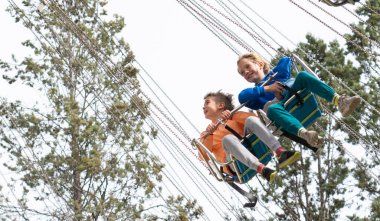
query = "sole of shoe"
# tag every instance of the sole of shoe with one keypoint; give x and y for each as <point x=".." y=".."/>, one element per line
<point x="272" y="177"/>
<point x="319" y="151"/>
<point x="296" y="156"/>
<point x="351" y="108"/>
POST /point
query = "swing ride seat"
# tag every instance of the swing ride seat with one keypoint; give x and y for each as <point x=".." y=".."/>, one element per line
<point x="339" y="2"/>
<point x="307" y="112"/>
<point x="257" y="148"/>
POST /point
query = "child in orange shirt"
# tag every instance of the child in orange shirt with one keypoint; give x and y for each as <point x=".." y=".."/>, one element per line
<point x="222" y="143"/>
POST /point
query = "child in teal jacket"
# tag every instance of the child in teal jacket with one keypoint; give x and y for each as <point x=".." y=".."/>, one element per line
<point x="254" y="69"/>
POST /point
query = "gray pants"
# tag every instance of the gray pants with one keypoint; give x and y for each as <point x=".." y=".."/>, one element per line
<point x="232" y="145"/>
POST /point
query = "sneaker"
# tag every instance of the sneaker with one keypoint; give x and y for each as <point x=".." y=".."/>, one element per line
<point x="347" y="105"/>
<point x="269" y="174"/>
<point x="288" y="157"/>
<point x="311" y="138"/>
<point x="317" y="150"/>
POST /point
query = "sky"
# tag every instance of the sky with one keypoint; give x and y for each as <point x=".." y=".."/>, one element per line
<point x="188" y="61"/>
<point x="185" y="59"/>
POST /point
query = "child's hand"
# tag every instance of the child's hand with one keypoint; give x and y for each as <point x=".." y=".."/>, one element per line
<point x="226" y="115"/>
<point x="276" y="88"/>
<point x="211" y="128"/>
<point x="278" y="96"/>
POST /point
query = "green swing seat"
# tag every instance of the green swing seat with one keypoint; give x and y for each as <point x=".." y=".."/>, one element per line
<point x="307" y="112"/>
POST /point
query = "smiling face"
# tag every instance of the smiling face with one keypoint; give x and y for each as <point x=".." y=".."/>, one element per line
<point x="251" y="71"/>
<point x="212" y="109"/>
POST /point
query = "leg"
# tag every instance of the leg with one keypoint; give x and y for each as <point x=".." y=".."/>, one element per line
<point x="278" y="114"/>
<point x="284" y="119"/>
<point x="304" y="80"/>
<point x="253" y="125"/>
<point x="233" y="146"/>
<point x="285" y="157"/>
<point x="346" y="105"/>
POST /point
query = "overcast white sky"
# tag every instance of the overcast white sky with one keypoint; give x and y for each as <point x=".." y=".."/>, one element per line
<point x="188" y="61"/>
<point x="185" y="58"/>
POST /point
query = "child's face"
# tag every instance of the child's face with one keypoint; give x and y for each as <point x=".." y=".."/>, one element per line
<point x="211" y="109"/>
<point x="251" y="71"/>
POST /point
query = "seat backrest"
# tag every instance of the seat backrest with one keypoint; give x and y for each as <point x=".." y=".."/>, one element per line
<point x="257" y="148"/>
<point x="306" y="112"/>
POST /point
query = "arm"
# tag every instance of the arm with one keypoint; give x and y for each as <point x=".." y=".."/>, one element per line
<point x="256" y="97"/>
<point x="240" y="117"/>
<point x="252" y="96"/>
<point x="283" y="69"/>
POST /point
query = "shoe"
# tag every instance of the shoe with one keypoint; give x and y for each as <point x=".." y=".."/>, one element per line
<point x="269" y="174"/>
<point x="311" y="138"/>
<point x="317" y="150"/>
<point x="288" y="157"/>
<point x="347" y="105"/>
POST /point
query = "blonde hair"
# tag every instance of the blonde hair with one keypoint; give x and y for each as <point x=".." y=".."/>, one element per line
<point x="256" y="58"/>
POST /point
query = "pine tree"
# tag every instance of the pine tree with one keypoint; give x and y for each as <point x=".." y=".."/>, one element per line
<point x="81" y="153"/>
<point x="317" y="187"/>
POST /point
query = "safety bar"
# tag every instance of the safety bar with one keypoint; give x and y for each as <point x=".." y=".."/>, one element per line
<point x="214" y="170"/>
<point x="304" y="65"/>
<point x="215" y="162"/>
<point x="220" y="121"/>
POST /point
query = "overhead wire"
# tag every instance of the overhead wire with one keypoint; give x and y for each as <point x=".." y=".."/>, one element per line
<point x="231" y="20"/>
<point x="215" y="23"/>
<point x="156" y="95"/>
<point x="370" y="105"/>
<point x="239" y="20"/>
<point x="183" y="156"/>
<point x="376" y="43"/>
<point x="350" y="90"/>
<point x="367" y="104"/>
<point x="371" y="55"/>
<point x="357" y="32"/>
<point x="267" y="22"/>
<point x="257" y="38"/>
<point x="369" y="8"/>
<point x="45" y="178"/>
<point x="310" y="57"/>
<point x="101" y="21"/>
<point x="210" y="28"/>
<point x="244" y="14"/>
<point x="355" y="158"/>
<point x="355" y="15"/>
<point x="15" y="7"/>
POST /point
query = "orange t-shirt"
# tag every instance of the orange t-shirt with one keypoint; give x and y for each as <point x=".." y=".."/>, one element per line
<point x="213" y="142"/>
